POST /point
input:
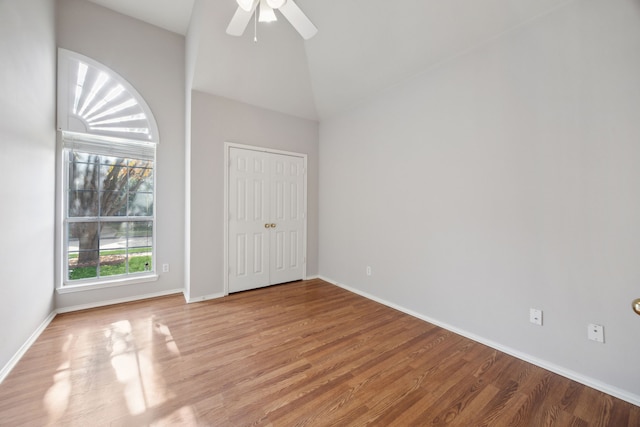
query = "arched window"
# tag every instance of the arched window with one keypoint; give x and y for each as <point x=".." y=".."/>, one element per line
<point x="107" y="140"/>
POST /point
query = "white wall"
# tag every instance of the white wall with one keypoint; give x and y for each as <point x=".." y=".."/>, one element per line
<point x="27" y="164"/>
<point x="214" y="121"/>
<point x="504" y="179"/>
<point x="153" y="61"/>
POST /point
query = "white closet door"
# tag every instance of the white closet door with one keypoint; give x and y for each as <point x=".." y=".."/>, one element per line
<point x="287" y="213"/>
<point x="266" y="219"/>
<point x="249" y="187"/>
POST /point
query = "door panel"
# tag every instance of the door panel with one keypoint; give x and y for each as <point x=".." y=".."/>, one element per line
<point x="248" y="213"/>
<point x="265" y="189"/>
<point x="288" y="214"/>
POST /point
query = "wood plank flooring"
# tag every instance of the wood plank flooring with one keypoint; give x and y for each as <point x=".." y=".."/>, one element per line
<point x="305" y="353"/>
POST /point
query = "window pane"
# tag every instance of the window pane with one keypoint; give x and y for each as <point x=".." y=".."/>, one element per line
<point x="141" y="178"/>
<point x="113" y="203"/>
<point x="140" y="261"/>
<point x="85" y="269"/>
<point x="83" y="203"/>
<point x="83" y="173"/>
<point x="83" y="185"/>
<point x="140" y="189"/>
<point x="82" y="240"/>
<point x="140" y="246"/>
<point x="113" y="248"/>
<point x="83" y="236"/>
<point x="113" y="236"/>
<point x="114" y="176"/>
<point x="112" y="263"/>
<point x="140" y="234"/>
<point x="141" y="204"/>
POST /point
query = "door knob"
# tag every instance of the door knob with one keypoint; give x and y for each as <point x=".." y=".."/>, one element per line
<point x="636" y="306"/>
<point x="273" y="226"/>
<point x="267" y="225"/>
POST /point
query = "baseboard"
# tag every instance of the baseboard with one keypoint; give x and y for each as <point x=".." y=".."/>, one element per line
<point x="567" y="373"/>
<point x="190" y="300"/>
<point x="34" y="336"/>
<point x="202" y="298"/>
<point x="118" y="301"/>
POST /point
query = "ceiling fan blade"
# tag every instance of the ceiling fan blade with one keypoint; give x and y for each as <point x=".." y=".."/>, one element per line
<point x="240" y="20"/>
<point x="298" y="19"/>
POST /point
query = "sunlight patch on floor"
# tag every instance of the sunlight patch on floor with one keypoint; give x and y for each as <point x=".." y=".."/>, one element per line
<point x="133" y="361"/>
<point x="164" y="330"/>
<point x="56" y="399"/>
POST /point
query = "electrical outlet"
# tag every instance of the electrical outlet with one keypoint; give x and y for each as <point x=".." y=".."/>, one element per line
<point x="595" y="333"/>
<point x="368" y="270"/>
<point x="165" y="268"/>
<point x="535" y="316"/>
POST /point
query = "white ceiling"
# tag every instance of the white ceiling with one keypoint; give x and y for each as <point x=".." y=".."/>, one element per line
<point x="362" y="47"/>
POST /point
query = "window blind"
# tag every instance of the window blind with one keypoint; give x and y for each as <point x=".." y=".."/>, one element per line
<point x="108" y="146"/>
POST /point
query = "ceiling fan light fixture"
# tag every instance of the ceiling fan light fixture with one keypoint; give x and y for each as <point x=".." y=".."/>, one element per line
<point x="246" y="5"/>
<point x="266" y="12"/>
<point x="275" y="4"/>
<point x="288" y="8"/>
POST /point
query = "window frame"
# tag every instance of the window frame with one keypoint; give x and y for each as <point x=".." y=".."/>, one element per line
<point x="67" y="220"/>
<point x="102" y="145"/>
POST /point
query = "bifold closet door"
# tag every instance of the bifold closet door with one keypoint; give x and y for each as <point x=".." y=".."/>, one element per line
<point x="266" y="219"/>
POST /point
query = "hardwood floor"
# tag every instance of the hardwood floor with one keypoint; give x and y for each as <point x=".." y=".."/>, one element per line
<point x="305" y="353"/>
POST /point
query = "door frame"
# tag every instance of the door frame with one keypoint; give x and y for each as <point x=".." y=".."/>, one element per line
<point x="227" y="160"/>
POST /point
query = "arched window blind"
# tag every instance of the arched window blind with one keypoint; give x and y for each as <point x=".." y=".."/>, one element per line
<point x="95" y="100"/>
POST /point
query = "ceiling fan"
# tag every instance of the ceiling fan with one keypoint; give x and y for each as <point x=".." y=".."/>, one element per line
<point x="288" y="8"/>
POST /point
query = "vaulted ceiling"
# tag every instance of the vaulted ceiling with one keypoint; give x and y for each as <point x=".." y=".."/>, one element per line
<point x="362" y="47"/>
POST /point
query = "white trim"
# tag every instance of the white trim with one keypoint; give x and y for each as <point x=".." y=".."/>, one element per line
<point x="93" y="285"/>
<point x="6" y="369"/>
<point x="118" y="301"/>
<point x="228" y="145"/>
<point x="227" y="149"/>
<point x="557" y="369"/>
<point x="306" y="215"/>
<point x="60" y="241"/>
<point x="190" y="300"/>
<point x="225" y="249"/>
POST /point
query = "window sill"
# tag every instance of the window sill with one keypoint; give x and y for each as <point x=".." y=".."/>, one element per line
<point x="89" y="285"/>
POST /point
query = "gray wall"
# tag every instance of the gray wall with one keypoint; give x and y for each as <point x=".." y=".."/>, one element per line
<point x="503" y="179"/>
<point x="152" y="60"/>
<point x="27" y="164"/>
<point x="214" y="121"/>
